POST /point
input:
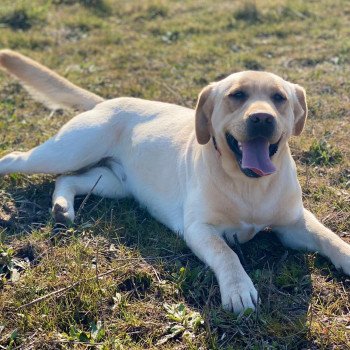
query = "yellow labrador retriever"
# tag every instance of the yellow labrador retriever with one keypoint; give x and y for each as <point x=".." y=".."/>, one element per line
<point x="218" y="172"/>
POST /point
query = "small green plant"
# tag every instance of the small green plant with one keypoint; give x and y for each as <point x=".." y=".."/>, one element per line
<point x="8" y="264"/>
<point x="10" y="340"/>
<point x="184" y="322"/>
<point x="179" y="276"/>
<point x="95" y="334"/>
<point x="119" y="302"/>
<point x="322" y="153"/>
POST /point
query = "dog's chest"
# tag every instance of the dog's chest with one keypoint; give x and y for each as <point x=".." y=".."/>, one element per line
<point x="243" y="232"/>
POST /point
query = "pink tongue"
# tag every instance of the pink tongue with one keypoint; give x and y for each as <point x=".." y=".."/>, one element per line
<point x="256" y="156"/>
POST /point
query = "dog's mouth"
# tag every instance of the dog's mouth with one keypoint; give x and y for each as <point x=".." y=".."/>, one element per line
<point x="253" y="156"/>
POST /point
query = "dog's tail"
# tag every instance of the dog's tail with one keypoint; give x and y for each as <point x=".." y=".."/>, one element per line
<point x="45" y="85"/>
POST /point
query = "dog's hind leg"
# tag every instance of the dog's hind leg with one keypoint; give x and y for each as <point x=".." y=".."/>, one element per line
<point x="82" y="142"/>
<point x="100" y="181"/>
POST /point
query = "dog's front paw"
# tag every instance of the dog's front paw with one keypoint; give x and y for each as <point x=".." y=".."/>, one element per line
<point x="238" y="295"/>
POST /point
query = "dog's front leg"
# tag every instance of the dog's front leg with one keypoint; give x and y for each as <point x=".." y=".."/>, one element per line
<point x="237" y="290"/>
<point x="308" y="233"/>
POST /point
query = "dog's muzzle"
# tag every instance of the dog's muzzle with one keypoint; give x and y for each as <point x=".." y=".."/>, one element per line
<point x="253" y="156"/>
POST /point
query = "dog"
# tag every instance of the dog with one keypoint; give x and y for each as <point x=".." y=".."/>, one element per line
<point x="215" y="174"/>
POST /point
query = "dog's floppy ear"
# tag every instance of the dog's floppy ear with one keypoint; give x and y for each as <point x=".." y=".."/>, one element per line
<point x="300" y="109"/>
<point x="204" y="110"/>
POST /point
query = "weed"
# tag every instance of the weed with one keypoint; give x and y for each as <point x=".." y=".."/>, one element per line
<point x="184" y="323"/>
<point x="9" y="265"/>
<point x="95" y="334"/>
<point x="322" y="153"/>
<point x="10" y="339"/>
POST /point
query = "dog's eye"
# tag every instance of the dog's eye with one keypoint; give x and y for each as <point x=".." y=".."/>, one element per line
<point x="238" y="95"/>
<point x="277" y="97"/>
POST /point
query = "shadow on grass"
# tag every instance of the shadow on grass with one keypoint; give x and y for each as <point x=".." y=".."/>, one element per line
<point x="282" y="277"/>
<point x="24" y="205"/>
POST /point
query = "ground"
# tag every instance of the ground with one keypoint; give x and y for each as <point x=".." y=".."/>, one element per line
<point x="118" y="279"/>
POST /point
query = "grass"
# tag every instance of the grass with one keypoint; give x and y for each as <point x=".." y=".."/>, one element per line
<point x="321" y="152"/>
<point x="120" y="280"/>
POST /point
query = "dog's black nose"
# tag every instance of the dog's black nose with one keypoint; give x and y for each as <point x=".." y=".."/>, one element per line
<point x="261" y="124"/>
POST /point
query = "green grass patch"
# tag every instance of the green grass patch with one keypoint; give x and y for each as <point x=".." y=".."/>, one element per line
<point x="322" y="153"/>
<point x="22" y="16"/>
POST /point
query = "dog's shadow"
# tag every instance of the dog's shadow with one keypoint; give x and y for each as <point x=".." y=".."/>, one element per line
<point x="282" y="277"/>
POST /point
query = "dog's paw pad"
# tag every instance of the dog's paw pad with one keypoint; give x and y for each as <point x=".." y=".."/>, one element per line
<point x="62" y="214"/>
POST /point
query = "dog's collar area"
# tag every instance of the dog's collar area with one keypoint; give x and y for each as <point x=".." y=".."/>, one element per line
<point x="237" y="151"/>
<point x="218" y="152"/>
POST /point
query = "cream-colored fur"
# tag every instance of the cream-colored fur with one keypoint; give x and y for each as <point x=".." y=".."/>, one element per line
<point x="162" y="155"/>
<point x="48" y="87"/>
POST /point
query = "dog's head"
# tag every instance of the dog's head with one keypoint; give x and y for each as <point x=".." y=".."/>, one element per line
<point x="251" y="115"/>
